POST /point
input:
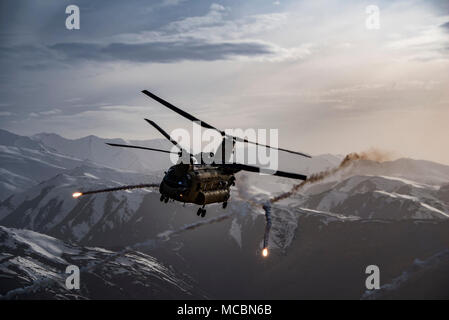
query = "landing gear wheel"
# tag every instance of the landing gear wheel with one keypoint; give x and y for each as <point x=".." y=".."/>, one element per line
<point x="162" y="198"/>
<point x="166" y="199"/>
<point x="199" y="212"/>
<point x="203" y="213"/>
<point x="225" y="204"/>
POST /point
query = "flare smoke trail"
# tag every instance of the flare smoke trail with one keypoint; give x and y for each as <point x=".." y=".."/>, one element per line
<point x="372" y="154"/>
<point x="194" y="225"/>
<point x="137" y="186"/>
<point x="267" y="208"/>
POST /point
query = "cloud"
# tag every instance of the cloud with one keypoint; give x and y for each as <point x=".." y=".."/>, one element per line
<point x="330" y="85"/>
<point x="445" y="26"/>
<point x="50" y="112"/>
<point x="424" y="43"/>
<point x="162" y="52"/>
<point x="64" y="54"/>
<point x="214" y="16"/>
<point x="215" y="25"/>
<point x="171" y="2"/>
<point x="45" y="113"/>
<point x="208" y="37"/>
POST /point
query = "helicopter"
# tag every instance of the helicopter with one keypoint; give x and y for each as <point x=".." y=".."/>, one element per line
<point x="203" y="178"/>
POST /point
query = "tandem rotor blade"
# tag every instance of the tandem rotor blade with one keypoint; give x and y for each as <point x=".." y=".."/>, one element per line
<point x="138" y="147"/>
<point x="244" y="167"/>
<point x="208" y="126"/>
<point x="179" y="111"/>
<point x="267" y="146"/>
<point x="166" y="135"/>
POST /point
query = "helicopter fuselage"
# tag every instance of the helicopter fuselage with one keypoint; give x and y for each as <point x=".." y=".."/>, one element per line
<point x="206" y="177"/>
<point x="199" y="185"/>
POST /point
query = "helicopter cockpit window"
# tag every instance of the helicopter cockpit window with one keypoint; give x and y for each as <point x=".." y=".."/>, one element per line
<point x="184" y="181"/>
<point x="177" y="181"/>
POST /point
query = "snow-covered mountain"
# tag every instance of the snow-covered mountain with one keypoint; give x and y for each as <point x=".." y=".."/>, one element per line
<point x="50" y="208"/>
<point x="56" y="166"/>
<point x="422" y="274"/>
<point x="400" y="189"/>
<point x="378" y="197"/>
<point x="365" y="189"/>
<point x="420" y="171"/>
<point x="25" y="162"/>
<point x="32" y="266"/>
<point x="96" y="150"/>
<point x="312" y="254"/>
<point x="341" y="220"/>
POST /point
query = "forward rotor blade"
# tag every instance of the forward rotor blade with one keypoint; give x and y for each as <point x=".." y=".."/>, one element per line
<point x="138" y="147"/>
<point x="208" y="126"/>
<point x="165" y="134"/>
<point x="179" y="111"/>
<point x="238" y="167"/>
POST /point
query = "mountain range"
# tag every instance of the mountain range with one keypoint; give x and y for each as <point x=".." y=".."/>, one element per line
<point x="391" y="213"/>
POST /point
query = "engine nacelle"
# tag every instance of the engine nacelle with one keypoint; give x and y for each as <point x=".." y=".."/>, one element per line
<point x="206" y="197"/>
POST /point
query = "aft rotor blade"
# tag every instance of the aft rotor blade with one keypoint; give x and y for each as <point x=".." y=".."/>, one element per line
<point x="267" y="146"/>
<point x="165" y="134"/>
<point x="139" y="147"/>
<point x="238" y="167"/>
<point x="179" y="111"/>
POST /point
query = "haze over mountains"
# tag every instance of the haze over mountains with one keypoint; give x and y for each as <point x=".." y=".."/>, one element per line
<point x="389" y="213"/>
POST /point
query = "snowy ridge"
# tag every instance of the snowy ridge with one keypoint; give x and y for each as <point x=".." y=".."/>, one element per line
<point x="419" y="268"/>
<point x="94" y="149"/>
<point x="101" y="232"/>
<point x="376" y="197"/>
<point x="49" y="207"/>
<point x="36" y="263"/>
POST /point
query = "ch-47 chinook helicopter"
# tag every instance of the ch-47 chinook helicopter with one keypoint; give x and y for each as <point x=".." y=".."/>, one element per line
<point x="206" y="180"/>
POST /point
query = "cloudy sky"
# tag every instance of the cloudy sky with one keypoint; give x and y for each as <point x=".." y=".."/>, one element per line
<point x="311" y="69"/>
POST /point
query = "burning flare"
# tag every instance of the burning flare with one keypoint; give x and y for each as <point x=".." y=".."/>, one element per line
<point x="372" y="154"/>
<point x="77" y="194"/>
<point x="265" y="252"/>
